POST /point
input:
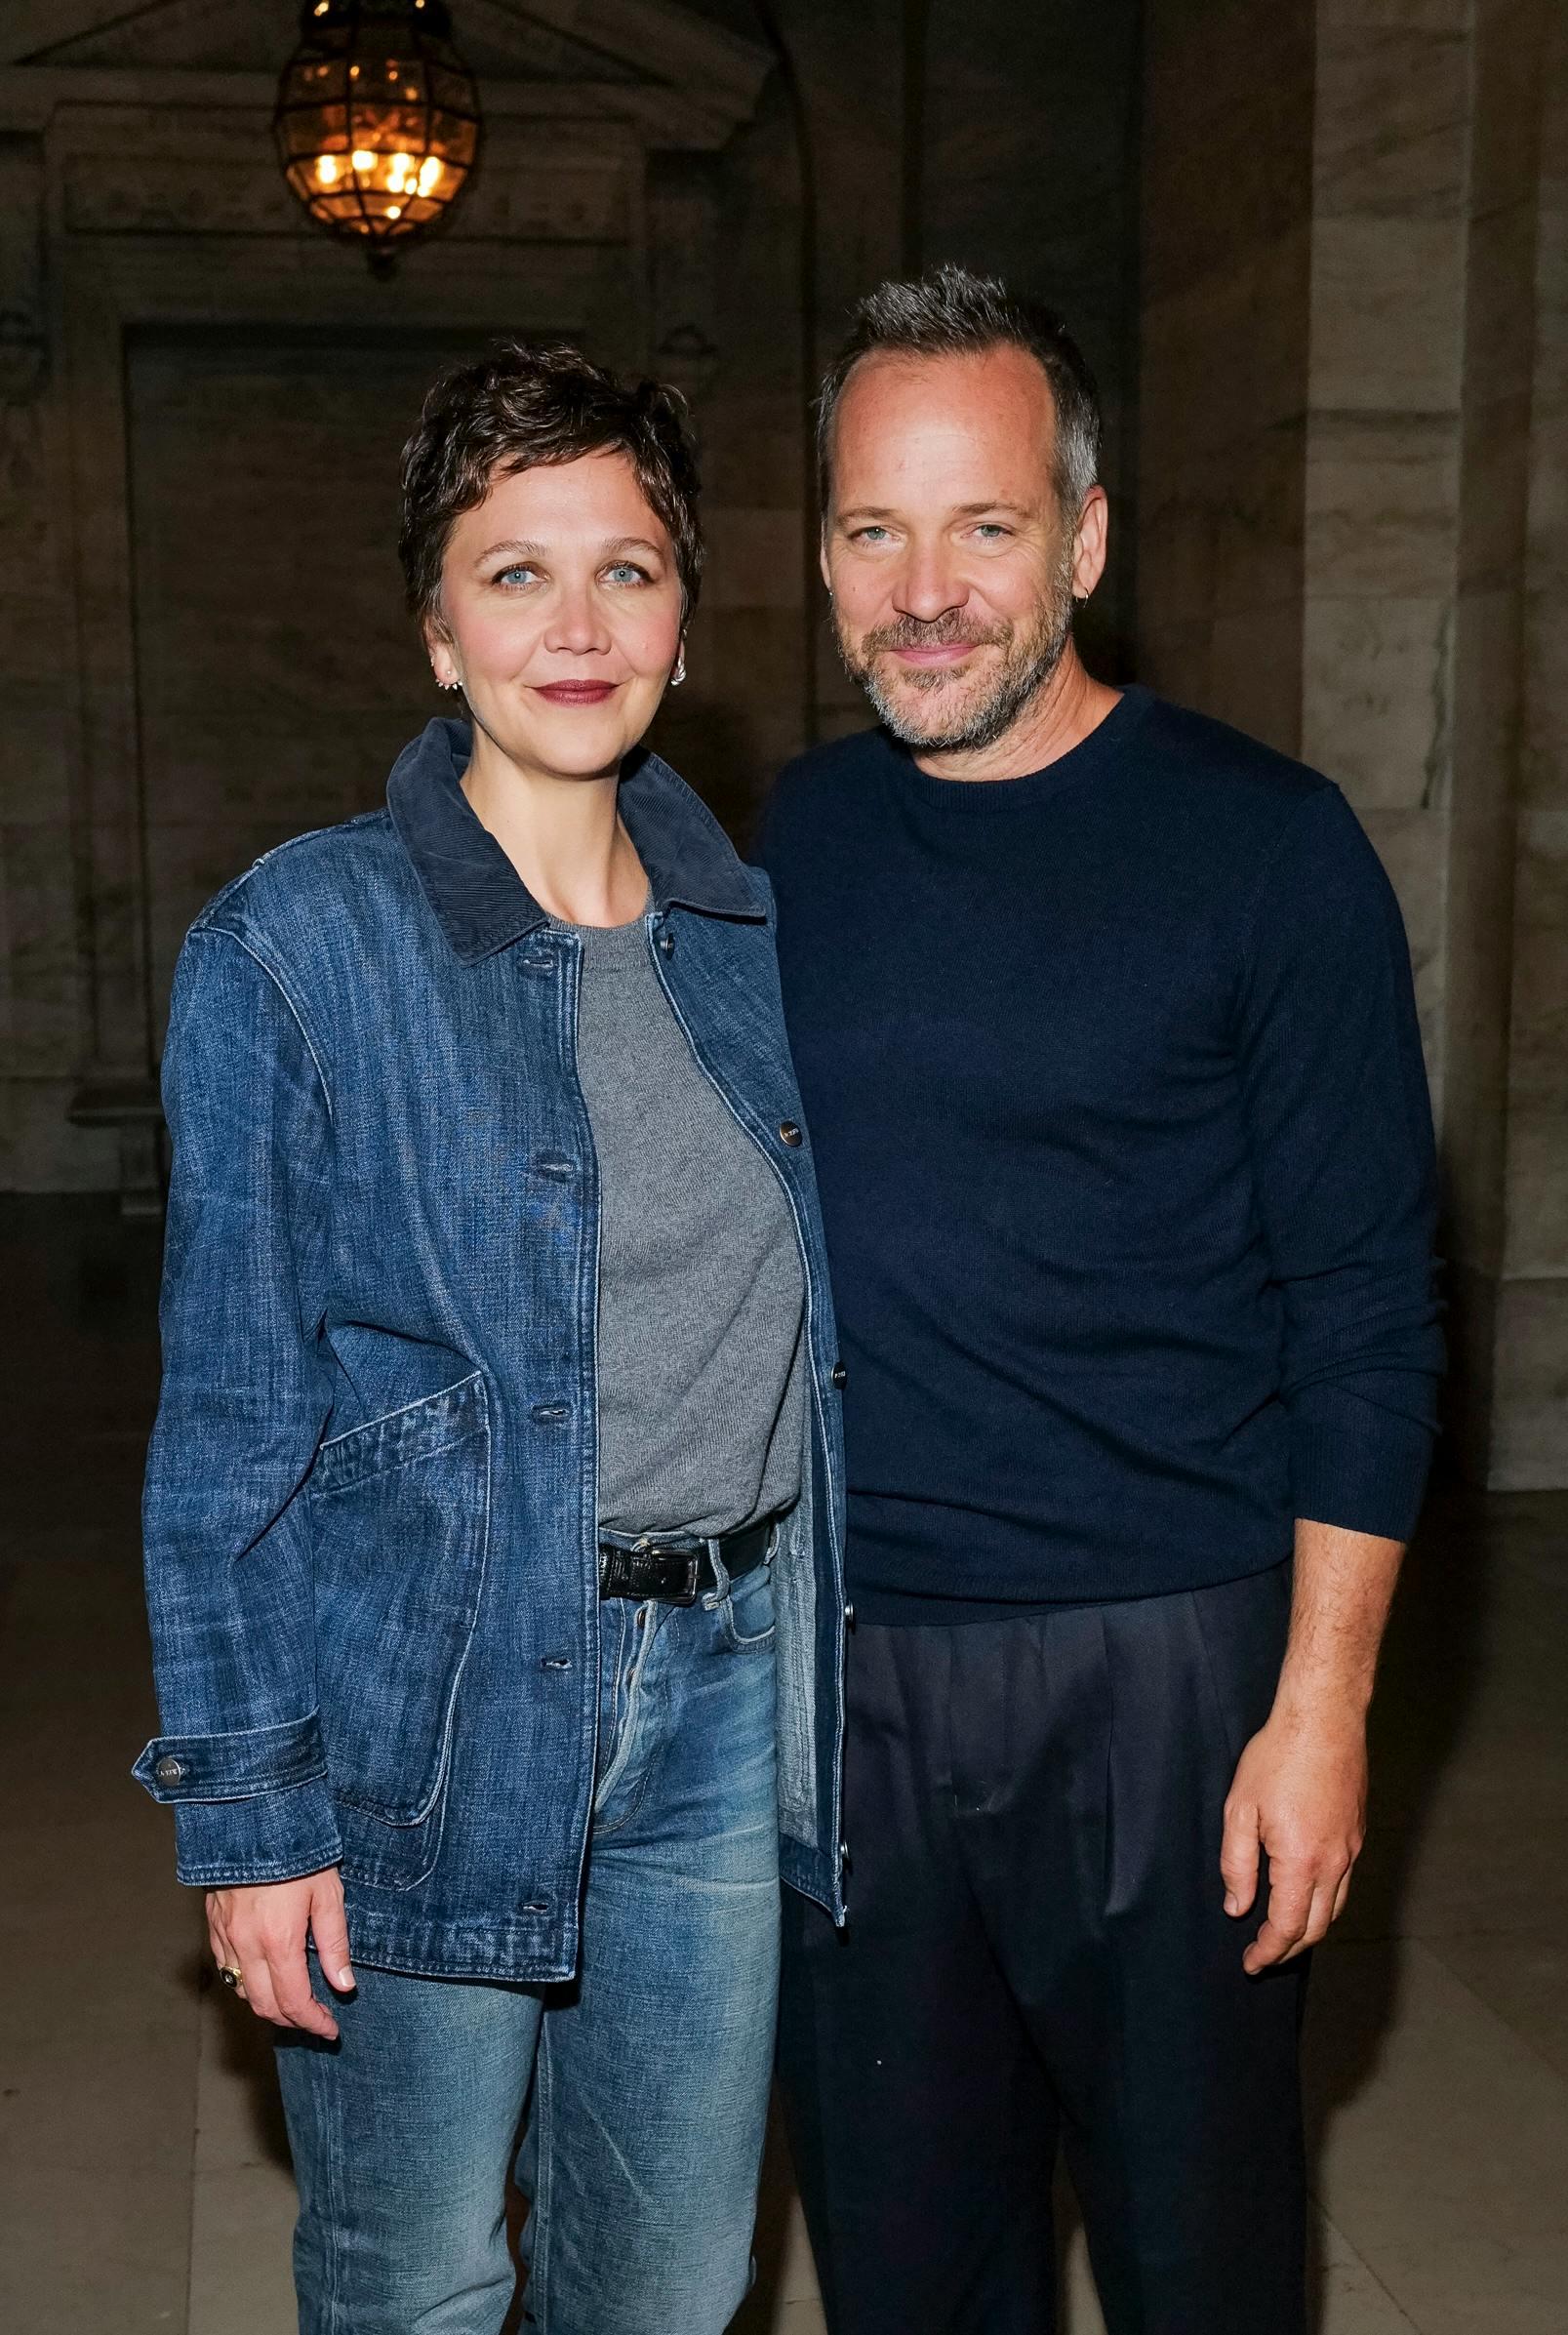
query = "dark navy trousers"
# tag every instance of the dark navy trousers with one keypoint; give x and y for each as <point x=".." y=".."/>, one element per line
<point x="1037" y="1956"/>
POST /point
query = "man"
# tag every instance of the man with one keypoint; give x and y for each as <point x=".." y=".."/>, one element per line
<point x="1103" y="1024"/>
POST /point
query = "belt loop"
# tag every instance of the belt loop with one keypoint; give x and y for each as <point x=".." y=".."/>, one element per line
<point x="721" y="1580"/>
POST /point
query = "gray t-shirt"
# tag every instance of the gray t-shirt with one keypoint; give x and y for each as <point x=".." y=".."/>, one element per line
<point x="702" y="1298"/>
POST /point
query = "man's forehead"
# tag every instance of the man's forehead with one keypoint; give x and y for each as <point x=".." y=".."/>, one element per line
<point x="963" y="383"/>
<point x="900" y="413"/>
<point x="974" y="435"/>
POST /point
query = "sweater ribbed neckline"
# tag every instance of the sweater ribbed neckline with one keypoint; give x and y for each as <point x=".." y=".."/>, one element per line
<point x="967" y="798"/>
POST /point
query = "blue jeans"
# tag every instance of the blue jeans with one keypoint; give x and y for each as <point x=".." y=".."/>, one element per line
<point x="639" y="2091"/>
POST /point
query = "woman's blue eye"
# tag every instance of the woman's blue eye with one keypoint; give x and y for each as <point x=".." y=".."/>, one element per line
<point x="625" y="568"/>
<point x="508" y="575"/>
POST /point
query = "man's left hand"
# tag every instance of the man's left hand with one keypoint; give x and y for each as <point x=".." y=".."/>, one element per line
<point x="1300" y="1797"/>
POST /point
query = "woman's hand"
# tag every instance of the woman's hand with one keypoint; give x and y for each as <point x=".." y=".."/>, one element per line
<point x="260" y="1932"/>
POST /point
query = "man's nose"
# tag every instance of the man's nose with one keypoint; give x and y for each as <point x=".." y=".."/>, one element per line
<point x="927" y="584"/>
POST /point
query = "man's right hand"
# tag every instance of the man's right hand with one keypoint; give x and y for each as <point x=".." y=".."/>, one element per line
<point x="260" y="1931"/>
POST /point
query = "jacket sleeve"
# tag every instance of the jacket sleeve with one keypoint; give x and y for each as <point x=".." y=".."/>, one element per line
<point x="1340" y="1125"/>
<point x="243" y="1405"/>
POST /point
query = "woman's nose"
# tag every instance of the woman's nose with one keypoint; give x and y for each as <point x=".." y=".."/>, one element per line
<point x="578" y="625"/>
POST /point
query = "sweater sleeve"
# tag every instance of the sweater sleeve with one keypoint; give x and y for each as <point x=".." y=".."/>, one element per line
<point x="1339" y="1126"/>
<point x="244" y="1400"/>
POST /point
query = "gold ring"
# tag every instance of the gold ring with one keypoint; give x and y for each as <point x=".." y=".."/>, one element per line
<point x="232" y="1975"/>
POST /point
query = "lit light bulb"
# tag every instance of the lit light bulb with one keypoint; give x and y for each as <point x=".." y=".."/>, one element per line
<point x="430" y="174"/>
<point x="327" y="169"/>
<point x="363" y="159"/>
<point x="394" y="209"/>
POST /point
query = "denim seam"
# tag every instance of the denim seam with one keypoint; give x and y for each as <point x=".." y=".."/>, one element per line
<point x="537" y="2297"/>
<point x="622" y="1754"/>
<point x="224" y="932"/>
<point x="805" y="1804"/>
<point x="418" y="1404"/>
<point x="236" y="1796"/>
<point x="444" y="1755"/>
<point x="239" y="1734"/>
<point x="639" y="1697"/>
<point x="230" y="1876"/>
<point x="737" y="1641"/>
<point x="369" y="1475"/>
<point x="619" y="1632"/>
<point x="329" y="2097"/>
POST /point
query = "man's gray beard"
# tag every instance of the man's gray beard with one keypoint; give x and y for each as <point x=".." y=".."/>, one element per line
<point x="1024" y="672"/>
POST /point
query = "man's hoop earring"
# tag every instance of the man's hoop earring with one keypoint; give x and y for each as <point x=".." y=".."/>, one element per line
<point x="679" y="674"/>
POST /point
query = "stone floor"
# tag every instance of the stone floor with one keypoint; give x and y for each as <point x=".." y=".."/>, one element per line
<point x="143" y="2183"/>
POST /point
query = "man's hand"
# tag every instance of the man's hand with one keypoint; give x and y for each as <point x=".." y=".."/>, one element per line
<point x="1300" y="1794"/>
<point x="260" y="1932"/>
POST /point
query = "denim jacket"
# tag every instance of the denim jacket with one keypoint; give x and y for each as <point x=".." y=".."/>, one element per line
<point x="370" y="1518"/>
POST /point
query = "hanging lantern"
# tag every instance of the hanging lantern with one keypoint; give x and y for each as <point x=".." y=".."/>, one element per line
<point x="378" y="122"/>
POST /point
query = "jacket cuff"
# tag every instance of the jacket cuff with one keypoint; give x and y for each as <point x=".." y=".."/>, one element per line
<point x="1357" y="1466"/>
<point x="276" y="1836"/>
<point x="249" y="1807"/>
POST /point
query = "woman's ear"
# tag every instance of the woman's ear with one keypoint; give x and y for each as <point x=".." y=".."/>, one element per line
<point x="438" y="648"/>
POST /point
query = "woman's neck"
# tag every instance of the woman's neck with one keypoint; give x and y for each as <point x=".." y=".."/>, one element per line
<point x="563" y="836"/>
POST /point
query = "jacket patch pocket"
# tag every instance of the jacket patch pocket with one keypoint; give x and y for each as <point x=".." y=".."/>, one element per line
<point x="401" y="1509"/>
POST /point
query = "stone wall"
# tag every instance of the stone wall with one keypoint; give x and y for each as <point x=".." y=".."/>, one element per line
<point x="1030" y="172"/>
<point x="1391" y="487"/>
<point x="702" y="190"/>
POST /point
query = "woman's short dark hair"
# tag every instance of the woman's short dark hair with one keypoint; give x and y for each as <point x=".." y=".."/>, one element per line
<point x="950" y="313"/>
<point x="520" y="406"/>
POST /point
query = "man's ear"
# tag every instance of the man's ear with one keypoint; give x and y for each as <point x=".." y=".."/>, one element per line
<point x="1091" y="542"/>
<point x="822" y="556"/>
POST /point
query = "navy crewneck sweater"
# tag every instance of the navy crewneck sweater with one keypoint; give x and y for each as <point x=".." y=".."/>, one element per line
<point x="1116" y="1089"/>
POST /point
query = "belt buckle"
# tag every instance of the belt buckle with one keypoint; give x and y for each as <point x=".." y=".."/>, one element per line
<point x="692" y="1559"/>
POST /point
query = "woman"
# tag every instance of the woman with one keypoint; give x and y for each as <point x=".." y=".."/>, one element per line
<point x="498" y="1421"/>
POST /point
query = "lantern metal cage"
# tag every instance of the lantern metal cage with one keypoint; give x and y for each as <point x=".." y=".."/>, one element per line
<point x="377" y="120"/>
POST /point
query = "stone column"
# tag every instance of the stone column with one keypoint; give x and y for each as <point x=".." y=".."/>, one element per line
<point x="1226" y="247"/>
<point x="1519" y="611"/>
<point x="1356" y="554"/>
<point x="44" y="1006"/>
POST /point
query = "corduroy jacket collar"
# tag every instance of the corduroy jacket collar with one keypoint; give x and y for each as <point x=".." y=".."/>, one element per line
<point x="480" y="901"/>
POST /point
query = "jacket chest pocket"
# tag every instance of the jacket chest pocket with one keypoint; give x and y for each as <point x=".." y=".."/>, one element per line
<point x="401" y="1512"/>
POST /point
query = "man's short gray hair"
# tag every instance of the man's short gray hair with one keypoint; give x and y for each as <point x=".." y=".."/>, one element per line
<point x="949" y="312"/>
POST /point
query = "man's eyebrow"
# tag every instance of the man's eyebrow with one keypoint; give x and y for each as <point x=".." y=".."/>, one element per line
<point x="960" y="510"/>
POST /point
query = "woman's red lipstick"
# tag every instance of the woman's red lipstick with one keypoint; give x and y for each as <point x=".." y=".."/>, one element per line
<point x="577" y="693"/>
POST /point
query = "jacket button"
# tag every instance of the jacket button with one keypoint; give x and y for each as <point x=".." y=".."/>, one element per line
<point x="169" y="1771"/>
<point x="838" y="1377"/>
<point x="843" y="1856"/>
<point x="789" y="1133"/>
<point x="667" y="941"/>
<point x="849" y="1615"/>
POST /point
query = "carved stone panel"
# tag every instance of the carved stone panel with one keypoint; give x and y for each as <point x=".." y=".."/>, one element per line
<point x="277" y="674"/>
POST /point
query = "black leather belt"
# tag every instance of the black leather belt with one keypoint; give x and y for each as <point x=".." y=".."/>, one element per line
<point x="678" y="1572"/>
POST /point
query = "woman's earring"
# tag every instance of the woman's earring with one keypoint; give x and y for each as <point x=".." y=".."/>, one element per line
<point x="440" y="684"/>
<point x="679" y="674"/>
